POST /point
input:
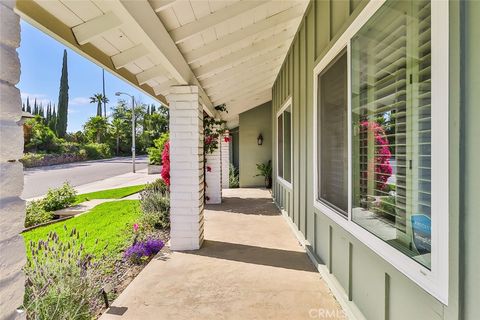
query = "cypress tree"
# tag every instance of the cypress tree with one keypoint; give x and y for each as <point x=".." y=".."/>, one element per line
<point x="61" y="123"/>
<point x="29" y="109"/>
<point x="52" y="123"/>
<point x="23" y="106"/>
<point x="35" y="107"/>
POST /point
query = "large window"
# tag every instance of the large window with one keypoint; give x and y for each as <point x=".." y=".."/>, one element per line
<point x="333" y="135"/>
<point x="391" y="118"/>
<point x="381" y="136"/>
<point x="284" y="143"/>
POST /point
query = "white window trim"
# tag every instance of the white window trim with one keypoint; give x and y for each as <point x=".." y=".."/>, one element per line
<point x="284" y="182"/>
<point x="434" y="281"/>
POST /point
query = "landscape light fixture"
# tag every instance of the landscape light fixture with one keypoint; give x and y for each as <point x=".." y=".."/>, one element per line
<point x="133" y="126"/>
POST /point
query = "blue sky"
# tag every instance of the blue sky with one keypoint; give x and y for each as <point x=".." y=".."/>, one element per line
<point x="41" y="59"/>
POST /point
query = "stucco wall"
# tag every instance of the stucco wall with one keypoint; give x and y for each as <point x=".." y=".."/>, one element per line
<point x="252" y="123"/>
<point x="369" y="284"/>
<point x="12" y="207"/>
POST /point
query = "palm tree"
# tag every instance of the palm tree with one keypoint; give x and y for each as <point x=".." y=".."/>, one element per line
<point x="99" y="98"/>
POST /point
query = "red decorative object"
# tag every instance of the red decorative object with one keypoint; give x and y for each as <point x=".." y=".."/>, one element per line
<point x="381" y="161"/>
<point x="227" y="139"/>
<point x="166" y="163"/>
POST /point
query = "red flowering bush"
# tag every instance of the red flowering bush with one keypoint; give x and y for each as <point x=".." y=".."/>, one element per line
<point x="381" y="161"/>
<point x="166" y="163"/>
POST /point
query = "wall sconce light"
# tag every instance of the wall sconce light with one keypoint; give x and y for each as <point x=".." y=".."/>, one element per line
<point x="260" y="139"/>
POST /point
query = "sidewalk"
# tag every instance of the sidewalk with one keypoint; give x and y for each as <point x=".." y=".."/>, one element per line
<point x="123" y="180"/>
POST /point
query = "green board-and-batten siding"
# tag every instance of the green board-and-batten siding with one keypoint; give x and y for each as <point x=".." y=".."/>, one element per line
<point x="375" y="287"/>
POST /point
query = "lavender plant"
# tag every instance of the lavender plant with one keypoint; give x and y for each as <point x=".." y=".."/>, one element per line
<point x="62" y="281"/>
<point x="142" y="250"/>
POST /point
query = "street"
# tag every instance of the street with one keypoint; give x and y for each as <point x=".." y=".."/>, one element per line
<point x="39" y="180"/>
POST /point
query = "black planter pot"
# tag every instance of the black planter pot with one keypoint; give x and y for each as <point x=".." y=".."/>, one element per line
<point x="268" y="182"/>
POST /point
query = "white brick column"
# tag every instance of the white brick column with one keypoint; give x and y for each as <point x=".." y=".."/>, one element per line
<point x="186" y="168"/>
<point x="213" y="176"/>
<point x="12" y="208"/>
<point x="225" y="150"/>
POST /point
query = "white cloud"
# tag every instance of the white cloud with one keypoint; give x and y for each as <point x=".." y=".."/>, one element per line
<point x="41" y="98"/>
<point x="77" y="101"/>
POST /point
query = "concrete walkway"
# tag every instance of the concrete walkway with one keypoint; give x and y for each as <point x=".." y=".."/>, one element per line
<point x="250" y="267"/>
<point x="89" y="205"/>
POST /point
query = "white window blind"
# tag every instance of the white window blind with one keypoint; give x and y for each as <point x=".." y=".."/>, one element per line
<point x="391" y="118"/>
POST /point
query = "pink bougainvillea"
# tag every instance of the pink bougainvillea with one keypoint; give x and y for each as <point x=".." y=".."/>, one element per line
<point x="209" y="169"/>
<point x="227" y="139"/>
<point x="381" y="161"/>
<point x="166" y="163"/>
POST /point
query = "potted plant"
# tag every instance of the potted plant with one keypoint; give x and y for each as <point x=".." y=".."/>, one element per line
<point x="265" y="170"/>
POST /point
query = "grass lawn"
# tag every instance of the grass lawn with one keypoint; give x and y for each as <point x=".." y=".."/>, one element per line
<point x="109" y="222"/>
<point x="109" y="194"/>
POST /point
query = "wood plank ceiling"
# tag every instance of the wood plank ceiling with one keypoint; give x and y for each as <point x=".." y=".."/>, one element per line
<point x="232" y="49"/>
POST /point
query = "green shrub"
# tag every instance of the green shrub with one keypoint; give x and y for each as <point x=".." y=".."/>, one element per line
<point x="59" y="198"/>
<point x="36" y="214"/>
<point x="31" y="159"/>
<point x="62" y="281"/>
<point x="233" y="180"/>
<point x="69" y="147"/>
<point x="97" y="151"/>
<point x="155" y="153"/>
<point x="158" y="185"/>
<point x="39" y="137"/>
<point x="155" y="204"/>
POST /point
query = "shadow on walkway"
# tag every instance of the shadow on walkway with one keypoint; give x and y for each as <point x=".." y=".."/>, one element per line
<point x="257" y="206"/>
<point x="286" y="259"/>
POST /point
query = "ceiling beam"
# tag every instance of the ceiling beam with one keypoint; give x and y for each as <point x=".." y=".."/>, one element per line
<point x="128" y="56"/>
<point x="245" y="105"/>
<point x="276" y="20"/>
<point x="95" y="27"/>
<point x="254" y="81"/>
<point x="163" y="46"/>
<point x="193" y="28"/>
<point x="255" y="62"/>
<point x="164" y="87"/>
<point x="160" y="5"/>
<point x="243" y="74"/>
<point x="243" y="92"/>
<point x="246" y="78"/>
<point x="153" y="73"/>
<point x="275" y="43"/>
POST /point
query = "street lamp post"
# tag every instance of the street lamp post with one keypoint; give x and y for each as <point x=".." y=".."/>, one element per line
<point x="133" y="126"/>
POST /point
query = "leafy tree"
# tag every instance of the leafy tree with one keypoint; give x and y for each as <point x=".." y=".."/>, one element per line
<point x="61" y="125"/>
<point x="118" y="130"/>
<point x="99" y="99"/>
<point x="40" y="137"/>
<point x="96" y="129"/>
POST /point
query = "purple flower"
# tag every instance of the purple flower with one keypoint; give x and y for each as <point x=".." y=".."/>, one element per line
<point x="145" y="248"/>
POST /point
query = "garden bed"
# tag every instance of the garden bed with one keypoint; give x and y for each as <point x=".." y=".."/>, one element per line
<point x="73" y="265"/>
<point x="104" y="232"/>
